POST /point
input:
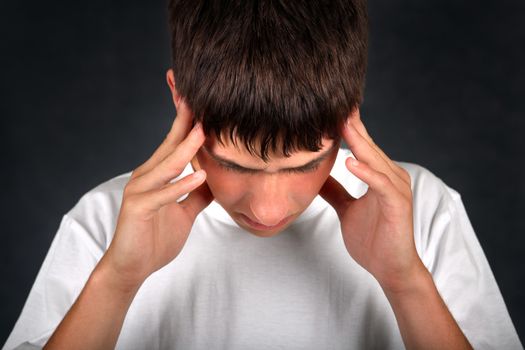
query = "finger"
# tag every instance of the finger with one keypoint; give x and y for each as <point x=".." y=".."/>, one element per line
<point x="180" y="127"/>
<point x="364" y="152"/>
<point x="197" y="200"/>
<point x="377" y="181"/>
<point x="336" y="195"/>
<point x="361" y="149"/>
<point x="153" y="200"/>
<point x="173" y="165"/>
<point x="355" y="119"/>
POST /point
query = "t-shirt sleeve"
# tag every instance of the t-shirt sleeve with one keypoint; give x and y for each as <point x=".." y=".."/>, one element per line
<point x="451" y="251"/>
<point x="72" y="256"/>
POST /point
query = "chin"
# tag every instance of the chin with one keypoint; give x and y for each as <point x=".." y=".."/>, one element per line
<point x="262" y="233"/>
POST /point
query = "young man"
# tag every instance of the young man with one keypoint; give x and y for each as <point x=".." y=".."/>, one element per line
<point x="220" y="240"/>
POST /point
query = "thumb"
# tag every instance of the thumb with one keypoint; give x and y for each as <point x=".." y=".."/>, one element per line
<point x="336" y="195"/>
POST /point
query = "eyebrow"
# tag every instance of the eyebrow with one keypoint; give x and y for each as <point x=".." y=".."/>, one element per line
<point x="309" y="165"/>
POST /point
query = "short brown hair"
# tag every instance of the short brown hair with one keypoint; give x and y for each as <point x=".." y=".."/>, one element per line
<point x="269" y="70"/>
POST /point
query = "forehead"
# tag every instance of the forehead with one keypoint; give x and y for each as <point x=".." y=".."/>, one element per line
<point x="238" y="153"/>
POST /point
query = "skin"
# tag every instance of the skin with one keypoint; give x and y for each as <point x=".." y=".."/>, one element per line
<point x="267" y="195"/>
<point x="152" y="228"/>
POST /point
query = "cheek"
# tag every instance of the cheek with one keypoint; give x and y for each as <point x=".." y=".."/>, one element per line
<point x="226" y="186"/>
<point x="307" y="186"/>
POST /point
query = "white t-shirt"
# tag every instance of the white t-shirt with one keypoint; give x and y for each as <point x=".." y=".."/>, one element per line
<point x="300" y="289"/>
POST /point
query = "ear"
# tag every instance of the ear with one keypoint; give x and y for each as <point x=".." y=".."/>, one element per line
<point x="354" y="112"/>
<point x="170" y="78"/>
<point x="195" y="163"/>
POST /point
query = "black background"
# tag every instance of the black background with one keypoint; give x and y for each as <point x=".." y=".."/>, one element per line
<point x="84" y="99"/>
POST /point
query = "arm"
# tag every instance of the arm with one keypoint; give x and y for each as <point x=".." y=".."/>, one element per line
<point x="378" y="233"/>
<point x="95" y="319"/>
<point x="422" y="316"/>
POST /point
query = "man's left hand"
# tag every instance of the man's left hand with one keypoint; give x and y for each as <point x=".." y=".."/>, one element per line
<point x="377" y="228"/>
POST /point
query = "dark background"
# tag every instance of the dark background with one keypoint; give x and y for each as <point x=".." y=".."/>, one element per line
<point x="84" y="99"/>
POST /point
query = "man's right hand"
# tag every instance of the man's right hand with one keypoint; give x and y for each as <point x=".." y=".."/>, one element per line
<point x="152" y="226"/>
<point x="151" y="230"/>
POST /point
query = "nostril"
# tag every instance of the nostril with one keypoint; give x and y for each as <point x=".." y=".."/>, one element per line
<point x="261" y="226"/>
<point x="268" y="222"/>
<point x="268" y="218"/>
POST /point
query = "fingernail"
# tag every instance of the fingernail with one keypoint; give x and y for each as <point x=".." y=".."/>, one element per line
<point x="349" y="129"/>
<point x="354" y="162"/>
<point x="199" y="174"/>
<point x="197" y="128"/>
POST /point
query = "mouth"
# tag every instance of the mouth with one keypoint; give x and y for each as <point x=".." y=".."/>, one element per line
<point x="260" y="227"/>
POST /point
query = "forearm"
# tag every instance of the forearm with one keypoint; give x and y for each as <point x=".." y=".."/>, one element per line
<point x="95" y="319"/>
<point x="423" y="318"/>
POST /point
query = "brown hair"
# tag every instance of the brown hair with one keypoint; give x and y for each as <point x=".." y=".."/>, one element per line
<point x="265" y="71"/>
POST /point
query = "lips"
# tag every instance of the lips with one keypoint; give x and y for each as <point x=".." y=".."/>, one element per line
<point x="261" y="227"/>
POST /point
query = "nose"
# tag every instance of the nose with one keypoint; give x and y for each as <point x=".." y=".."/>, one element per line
<point x="269" y="201"/>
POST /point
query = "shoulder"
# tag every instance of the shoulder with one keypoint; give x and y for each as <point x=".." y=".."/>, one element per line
<point x="440" y="218"/>
<point x="105" y="197"/>
<point x="424" y="180"/>
<point x="429" y="192"/>
<point x="435" y="204"/>
<point x="96" y="212"/>
<point x="426" y="186"/>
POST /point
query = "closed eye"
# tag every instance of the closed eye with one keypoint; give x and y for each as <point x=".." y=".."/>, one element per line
<point x="308" y="169"/>
<point x="231" y="167"/>
<point x="240" y="170"/>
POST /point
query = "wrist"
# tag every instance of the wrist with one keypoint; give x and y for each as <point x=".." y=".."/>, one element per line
<point x="107" y="277"/>
<point x="417" y="279"/>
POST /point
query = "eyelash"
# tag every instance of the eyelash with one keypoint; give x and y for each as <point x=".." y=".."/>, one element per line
<point x="291" y="171"/>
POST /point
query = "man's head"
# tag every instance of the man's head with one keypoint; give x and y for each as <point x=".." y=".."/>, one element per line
<point x="270" y="81"/>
